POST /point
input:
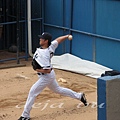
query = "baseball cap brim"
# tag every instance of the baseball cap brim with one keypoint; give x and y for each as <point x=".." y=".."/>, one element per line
<point x="40" y="36"/>
<point x="46" y="36"/>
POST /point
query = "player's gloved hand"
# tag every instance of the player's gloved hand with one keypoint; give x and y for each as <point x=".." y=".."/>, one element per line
<point x="35" y="65"/>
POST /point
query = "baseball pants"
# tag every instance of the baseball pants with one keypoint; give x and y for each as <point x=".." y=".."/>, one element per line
<point x="46" y="80"/>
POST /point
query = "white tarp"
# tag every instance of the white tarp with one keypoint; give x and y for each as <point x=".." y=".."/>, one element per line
<point x="75" y="64"/>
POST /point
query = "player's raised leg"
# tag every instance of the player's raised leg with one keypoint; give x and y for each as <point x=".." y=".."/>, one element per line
<point x="67" y="92"/>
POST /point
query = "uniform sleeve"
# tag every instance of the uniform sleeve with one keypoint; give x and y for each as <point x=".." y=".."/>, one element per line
<point x="53" y="46"/>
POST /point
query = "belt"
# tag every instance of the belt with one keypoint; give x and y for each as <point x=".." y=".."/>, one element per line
<point x="42" y="73"/>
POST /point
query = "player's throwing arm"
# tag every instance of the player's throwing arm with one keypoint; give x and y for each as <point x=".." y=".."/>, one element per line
<point x="62" y="38"/>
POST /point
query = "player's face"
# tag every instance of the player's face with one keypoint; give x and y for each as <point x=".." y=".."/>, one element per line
<point x="43" y="42"/>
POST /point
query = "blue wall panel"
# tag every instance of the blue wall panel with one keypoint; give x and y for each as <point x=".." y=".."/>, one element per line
<point x="53" y="12"/>
<point x="98" y="17"/>
<point x="108" y="18"/>
<point x="83" y="21"/>
<point x="108" y="53"/>
<point x="75" y="14"/>
<point x="82" y="46"/>
<point x="108" y="24"/>
<point x="83" y="15"/>
<point x="67" y="13"/>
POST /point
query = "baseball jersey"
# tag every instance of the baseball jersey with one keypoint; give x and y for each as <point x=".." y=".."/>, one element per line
<point x="43" y="56"/>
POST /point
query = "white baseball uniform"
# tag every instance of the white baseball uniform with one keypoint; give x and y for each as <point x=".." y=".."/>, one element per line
<point x="43" y="57"/>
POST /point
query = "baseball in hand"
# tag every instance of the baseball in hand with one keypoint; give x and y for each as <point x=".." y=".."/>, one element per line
<point x="70" y="37"/>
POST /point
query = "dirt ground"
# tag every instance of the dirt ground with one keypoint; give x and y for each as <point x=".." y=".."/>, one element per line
<point x="16" y="82"/>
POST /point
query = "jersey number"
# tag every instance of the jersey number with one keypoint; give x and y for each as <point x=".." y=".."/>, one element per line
<point x="36" y="55"/>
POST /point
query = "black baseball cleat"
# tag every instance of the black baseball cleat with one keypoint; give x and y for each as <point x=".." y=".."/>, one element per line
<point x="83" y="99"/>
<point x="23" y="118"/>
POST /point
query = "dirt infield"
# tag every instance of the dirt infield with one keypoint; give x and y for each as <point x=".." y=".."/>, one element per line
<point x="16" y="82"/>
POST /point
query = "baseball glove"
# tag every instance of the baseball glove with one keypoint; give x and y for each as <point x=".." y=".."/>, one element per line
<point x="35" y="65"/>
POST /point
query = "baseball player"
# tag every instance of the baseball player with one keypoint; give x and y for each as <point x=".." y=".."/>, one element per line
<point x="46" y="74"/>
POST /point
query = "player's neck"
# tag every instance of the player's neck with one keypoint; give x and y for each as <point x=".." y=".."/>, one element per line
<point x="44" y="46"/>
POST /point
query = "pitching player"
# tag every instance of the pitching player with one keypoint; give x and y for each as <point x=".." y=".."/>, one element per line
<point x="46" y="74"/>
